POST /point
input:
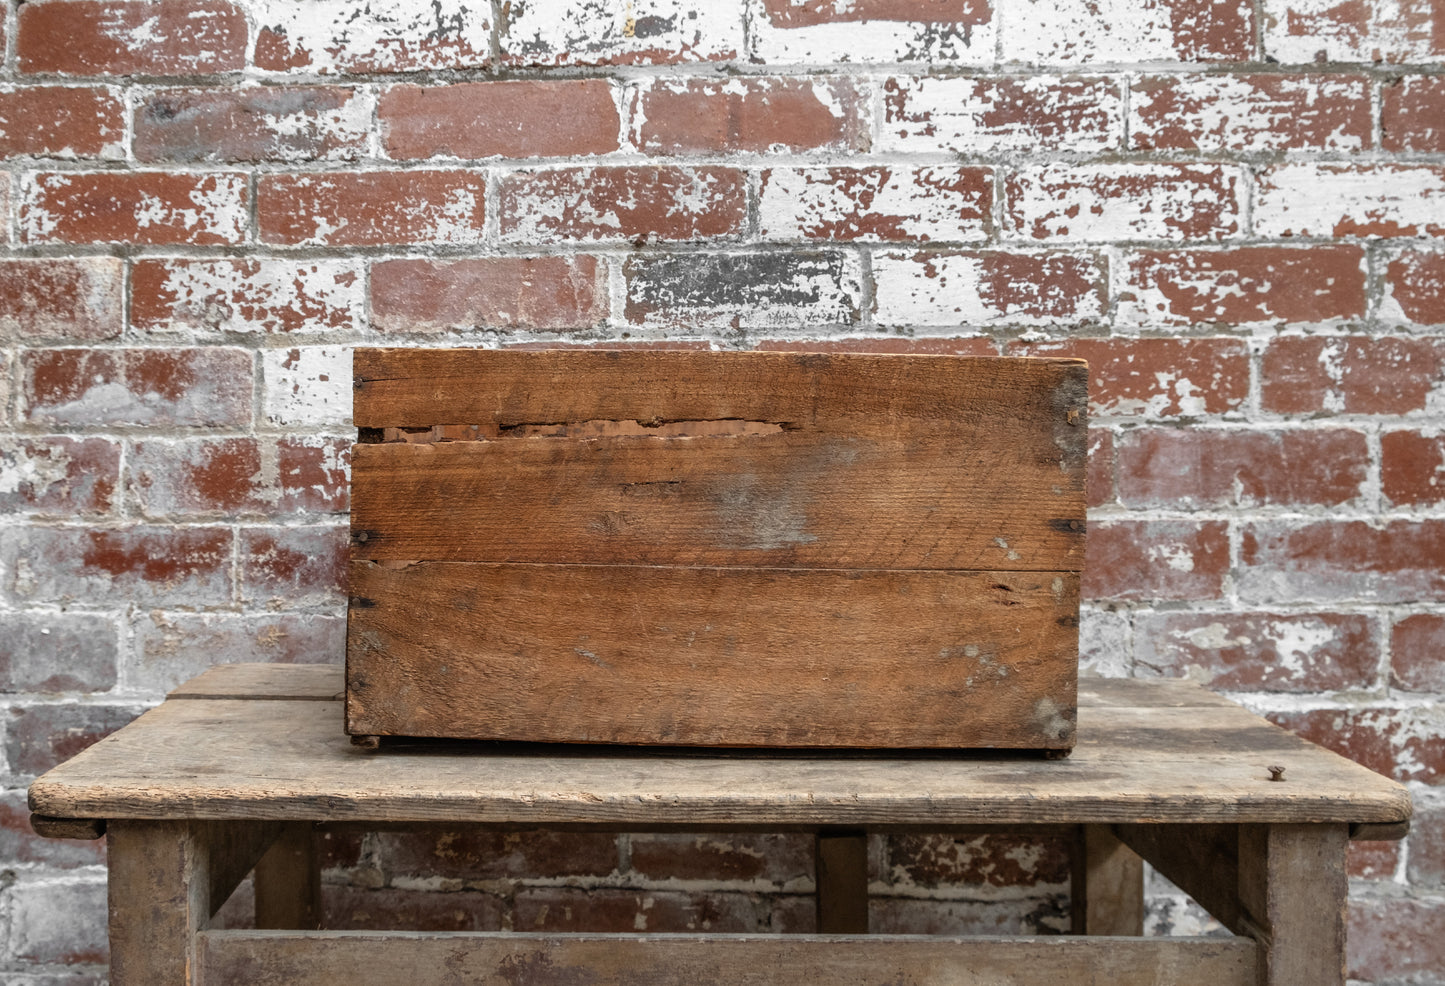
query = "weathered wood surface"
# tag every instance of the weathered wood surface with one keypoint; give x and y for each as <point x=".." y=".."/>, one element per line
<point x="288" y="880"/>
<point x="1107" y="890"/>
<point x="1157" y="762"/>
<point x="841" y="863"/>
<point x="857" y="394"/>
<point x="698" y="657"/>
<point x="1292" y="890"/>
<point x="1201" y="860"/>
<point x="258" y="958"/>
<point x="83" y="829"/>
<point x="1002" y="499"/>
<point x="758" y="529"/>
<point x="299" y="682"/>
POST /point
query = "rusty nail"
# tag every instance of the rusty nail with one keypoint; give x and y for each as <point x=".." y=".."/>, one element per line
<point x="1276" y="773"/>
<point x="1072" y="416"/>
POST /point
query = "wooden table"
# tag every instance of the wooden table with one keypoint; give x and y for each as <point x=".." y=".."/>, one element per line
<point x="238" y="767"/>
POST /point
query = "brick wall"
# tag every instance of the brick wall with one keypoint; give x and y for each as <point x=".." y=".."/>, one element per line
<point x="1231" y="207"/>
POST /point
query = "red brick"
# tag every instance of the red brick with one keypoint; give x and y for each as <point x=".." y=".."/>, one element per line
<point x="1393" y="562"/>
<point x="1412" y="114"/>
<point x="57" y="652"/>
<point x="265" y="295"/>
<point x="1035" y="915"/>
<point x="1338" y="200"/>
<point x="258" y="123"/>
<point x="747" y="114"/>
<point x="773" y="858"/>
<point x="294" y="566"/>
<point x="567" y="909"/>
<point x="694" y="292"/>
<point x="639" y="32"/>
<point x="58" y="475"/>
<point x="371" y="208"/>
<point x="1244" y="286"/>
<point x="61" y="121"/>
<point x="1372" y="860"/>
<point x="1156" y="560"/>
<point x="1100" y="477"/>
<point x="544" y="293"/>
<point x="1249" y="113"/>
<point x="116" y="37"/>
<point x="1415" y="287"/>
<point x="134" y="207"/>
<point x="62" y="299"/>
<point x="463" y="852"/>
<point x="136" y="565"/>
<point x="879" y="203"/>
<point x="61" y="923"/>
<point x="389" y="909"/>
<point x="638" y="204"/>
<point x="1156" y="378"/>
<point x="20" y="844"/>
<point x="1426" y="865"/>
<point x="982" y="115"/>
<point x="1012" y="861"/>
<point x="1407" y="744"/>
<point x="41" y="736"/>
<point x="1271" y="652"/>
<point x="989" y="287"/>
<point x="240" y="476"/>
<point x="1412" y="467"/>
<point x="1188" y="31"/>
<point x="1191" y="469"/>
<point x="1303" y="31"/>
<point x="1352" y="374"/>
<point x="530" y="118"/>
<point x="1392" y="937"/>
<point x="1417" y="650"/>
<point x="972" y="346"/>
<point x="171" y="648"/>
<point x="325" y="38"/>
<point x="1124" y="201"/>
<point x="156" y="387"/>
<point x="814" y="32"/>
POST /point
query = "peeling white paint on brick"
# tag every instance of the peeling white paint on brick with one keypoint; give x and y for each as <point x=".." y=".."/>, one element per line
<point x="22" y="470"/>
<point x="870" y="40"/>
<point x="590" y="32"/>
<point x="977" y="116"/>
<point x="1350" y="200"/>
<point x="871" y="204"/>
<point x="1229" y="112"/>
<point x="1103" y="202"/>
<point x="1051" y="32"/>
<point x="329" y="36"/>
<point x="960" y="289"/>
<point x="1307" y="31"/>
<point x="308" y="385"/>
<point x="258" y="296"/>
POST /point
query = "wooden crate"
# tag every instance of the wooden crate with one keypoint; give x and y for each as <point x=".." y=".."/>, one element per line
<point x="716" y="549"/>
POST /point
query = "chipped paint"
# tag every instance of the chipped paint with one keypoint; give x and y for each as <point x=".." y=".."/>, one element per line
<point x="987" y="288"/>
<point x="963" y="35"/>
<point x="1306" y="31"/>
<point x="593" y="32"/>
<point x="1350" y="200"/>
<point x="170" y="296"/>
<point x="1052" y="32"/>
<point x="1250" y="113"/>
<point x="875" y="204"/>
<point x="1103" y="202"/>
<point x="308" y="385"/>
<point x="335" y="36"/>
<point x="988" y="116"/>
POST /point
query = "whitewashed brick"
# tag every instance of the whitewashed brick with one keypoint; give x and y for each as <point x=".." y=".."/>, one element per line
<point x="308" y="385"/>
<point x="1350" y="200"/>
<point x="593" y="32"/>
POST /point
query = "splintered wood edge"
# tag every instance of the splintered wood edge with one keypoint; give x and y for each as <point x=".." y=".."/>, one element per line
<point x="51" y="827"/>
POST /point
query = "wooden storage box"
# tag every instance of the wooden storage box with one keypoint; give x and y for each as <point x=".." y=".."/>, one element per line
<point x="716" y="549"/>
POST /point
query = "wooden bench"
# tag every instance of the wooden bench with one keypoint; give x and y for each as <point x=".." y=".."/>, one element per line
<point x="240" y="767"/>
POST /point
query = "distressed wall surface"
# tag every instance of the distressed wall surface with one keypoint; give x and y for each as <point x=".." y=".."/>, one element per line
<point x="1233" y="208"/>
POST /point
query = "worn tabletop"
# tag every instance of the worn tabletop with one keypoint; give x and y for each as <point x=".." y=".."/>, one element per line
<point x="267" y="742"/>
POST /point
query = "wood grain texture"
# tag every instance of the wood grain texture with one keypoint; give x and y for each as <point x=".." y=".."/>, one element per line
<point x="255" y="958"/>
<point x="1107" y="892"/>
<point x="288" y="880"/>
<point x="293" y="682"/>
<point x="1201" y="860"/>
<point x="1293" y="890"/>
<point x="855" y="394"/>
<point x="290" y="760"/>
<point x="999" y="500"/>
<point x="83" y="829"/>
<point x="713" y="657"/>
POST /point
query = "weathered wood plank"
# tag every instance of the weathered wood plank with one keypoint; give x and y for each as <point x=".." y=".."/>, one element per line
<point x="84" y="829"/>
<point x="790" y="500"/>
<point x="1107" y="892"/>
<point x="1201" y="860"/>
<point x="859" y="394"/>
<point x="288" y="881"/>
<point x="291" y="760"/>
<point x="713" y="657"/>
<point x="841" y="864"/>
<point x="1292" y="889"/>
<point x="1140" y="693"/>
<point x="256" y="958"/>
<point x="293" y="682"/>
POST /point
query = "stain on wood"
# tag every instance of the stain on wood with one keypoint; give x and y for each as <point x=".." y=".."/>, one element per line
<point x="720" y="549"/>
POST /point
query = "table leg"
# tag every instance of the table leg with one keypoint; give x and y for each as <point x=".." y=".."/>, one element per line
<point x="288" y="881"/>
<point x="1292" y="890"/>
<point x="842" y="868"/>
<point x="1107" y="891"/>
<point x="166" y="880"/>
